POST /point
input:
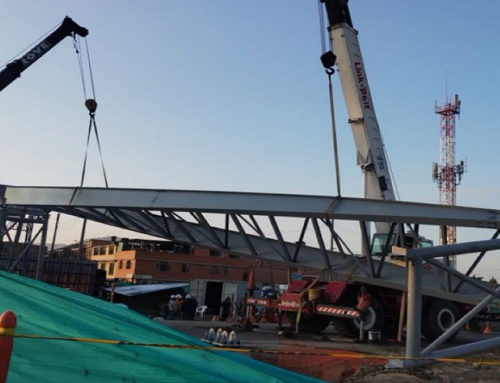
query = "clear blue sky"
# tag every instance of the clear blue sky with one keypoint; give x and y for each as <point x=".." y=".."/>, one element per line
<point x="230" y="95"/>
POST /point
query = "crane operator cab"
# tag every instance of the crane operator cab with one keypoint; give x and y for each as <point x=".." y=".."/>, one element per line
<point x="382" y="243"/>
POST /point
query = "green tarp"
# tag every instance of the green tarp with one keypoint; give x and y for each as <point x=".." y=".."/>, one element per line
<point x="47" y="310"/>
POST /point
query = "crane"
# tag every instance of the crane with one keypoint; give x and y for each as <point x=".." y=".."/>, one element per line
<point x="185" y="216"/>
<point x="371" y="154"/>
<point x="13" y="70"/>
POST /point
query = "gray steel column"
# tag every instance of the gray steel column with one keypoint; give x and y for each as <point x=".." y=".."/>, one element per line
<point x="41" y="250"/>
<point x="414" y="319"/>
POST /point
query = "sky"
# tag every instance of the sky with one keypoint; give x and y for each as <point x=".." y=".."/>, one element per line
<point x="231" y="95"/>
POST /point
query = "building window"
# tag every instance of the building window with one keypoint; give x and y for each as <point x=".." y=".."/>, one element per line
<point x="111" y="250"/>
<point x="224" y="270"/>
<point x="128" y="265"/>
<point x="163" y="266"/>
<point x="215" y="253"/>
<point x="233" y="256"/>
<point x="111" y="268"/>
<point x="102" y="251"/>
<point x="186" y="268"/>
<point x="103" y="266"/>
<point x="214" y="270"/>
<point x="96" y="251"/>
<point x="120" y="265"/>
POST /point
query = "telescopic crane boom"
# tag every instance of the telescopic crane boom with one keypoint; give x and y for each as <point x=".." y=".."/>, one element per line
<point x="14" y="69"/>
<point x="368" y="139"/>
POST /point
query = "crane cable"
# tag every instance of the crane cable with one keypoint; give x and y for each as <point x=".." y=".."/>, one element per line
<point x="330" y="71"/>
<point x="91" y="105"/>
<point x="35" y="42"/>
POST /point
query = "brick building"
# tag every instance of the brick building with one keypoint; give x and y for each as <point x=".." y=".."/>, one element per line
<point x="144" y="261"/>
<point x="211" y="274"/>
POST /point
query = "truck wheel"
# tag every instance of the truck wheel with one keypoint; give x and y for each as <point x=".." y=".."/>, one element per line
<point x="374" y="321"/>
<point x="314" y="323"/>
<point x="439" y="316"/>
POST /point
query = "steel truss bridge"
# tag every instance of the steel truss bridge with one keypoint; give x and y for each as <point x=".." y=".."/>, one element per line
<point x="238" y="222"/>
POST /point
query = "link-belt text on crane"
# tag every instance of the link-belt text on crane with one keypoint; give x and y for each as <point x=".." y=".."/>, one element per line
<point x="363" y="89"/>
<point x="34" y="54"/>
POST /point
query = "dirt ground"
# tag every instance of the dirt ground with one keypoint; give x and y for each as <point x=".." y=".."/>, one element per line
<point x="442" y="373"/>
<point x="354" y="362"/>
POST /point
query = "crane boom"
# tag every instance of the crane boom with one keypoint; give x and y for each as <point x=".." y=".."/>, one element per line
<point x="361" y="112"/>
<point x="14" y="69"/>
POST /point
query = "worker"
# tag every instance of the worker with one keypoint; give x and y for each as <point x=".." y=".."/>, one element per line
<point x="171" y="307"/>
<point x="163" y="310"/>
<point x="189" y="307"/>
<point x="178" y="306"/>
<point x="225" y="307"/>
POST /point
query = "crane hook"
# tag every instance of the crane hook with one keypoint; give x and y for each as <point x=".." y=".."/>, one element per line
<point x="91" y="105"/>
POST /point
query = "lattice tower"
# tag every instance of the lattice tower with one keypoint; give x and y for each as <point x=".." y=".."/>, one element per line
<point x="447" y="173"/>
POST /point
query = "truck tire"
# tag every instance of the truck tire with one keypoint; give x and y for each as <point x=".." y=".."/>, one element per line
<point x="314" y="323"/>
<point x="439" y="316"/>
<point x="349" y="328"/>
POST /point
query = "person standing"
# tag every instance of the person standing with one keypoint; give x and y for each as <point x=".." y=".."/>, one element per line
<point x="172" y="307"/>
<point x="225" y="307"/>
<point x="189" y="307"/>
<point x="178" y="306"/>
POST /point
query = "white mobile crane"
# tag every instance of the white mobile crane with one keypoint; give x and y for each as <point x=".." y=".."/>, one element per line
<point x="361" y="112"/>
<point x="371" y="155"/>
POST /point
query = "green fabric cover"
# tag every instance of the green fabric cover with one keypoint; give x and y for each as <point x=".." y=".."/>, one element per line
<point x="43" y="309"/>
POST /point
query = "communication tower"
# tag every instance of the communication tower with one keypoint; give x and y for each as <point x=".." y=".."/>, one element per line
<point x="447" y="173"/>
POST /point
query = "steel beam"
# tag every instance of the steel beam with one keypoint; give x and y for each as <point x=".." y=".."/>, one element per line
<point x="252" y="203"/>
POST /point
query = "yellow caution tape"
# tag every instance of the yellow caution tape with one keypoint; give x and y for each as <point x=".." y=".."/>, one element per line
<point x="10" y="332"/>
<point x="6" y="331"/>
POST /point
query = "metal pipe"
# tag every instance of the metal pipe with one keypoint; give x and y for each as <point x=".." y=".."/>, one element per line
<point x="466" y="349"/>
<point x="82" y="238"/>
<point x="459" y="325"/>
<point x="55" y="234"/>
<point x="455" y="249"/>
<point x="402" y="315"/>
<point x="41" y="251"/>
<point x="469" y="280"/>
<point x="414" y="320"/>
<point x="15" y="243"/>
<point x="334" y="131"/>
<point x="365" y="244"/>
<point x="476" y="262"/>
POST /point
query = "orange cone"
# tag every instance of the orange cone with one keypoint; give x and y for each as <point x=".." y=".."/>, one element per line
<point x="8" y="323"/>
<point x="487" y="328"/>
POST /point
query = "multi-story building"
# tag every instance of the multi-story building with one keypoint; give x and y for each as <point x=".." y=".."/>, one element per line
<point x="212" y="274"/>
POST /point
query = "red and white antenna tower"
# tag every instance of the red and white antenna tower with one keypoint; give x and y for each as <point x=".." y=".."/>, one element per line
<point x="447" y="173"/>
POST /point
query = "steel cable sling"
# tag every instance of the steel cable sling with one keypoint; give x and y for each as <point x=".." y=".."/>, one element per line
<point x="91" y="105"/>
